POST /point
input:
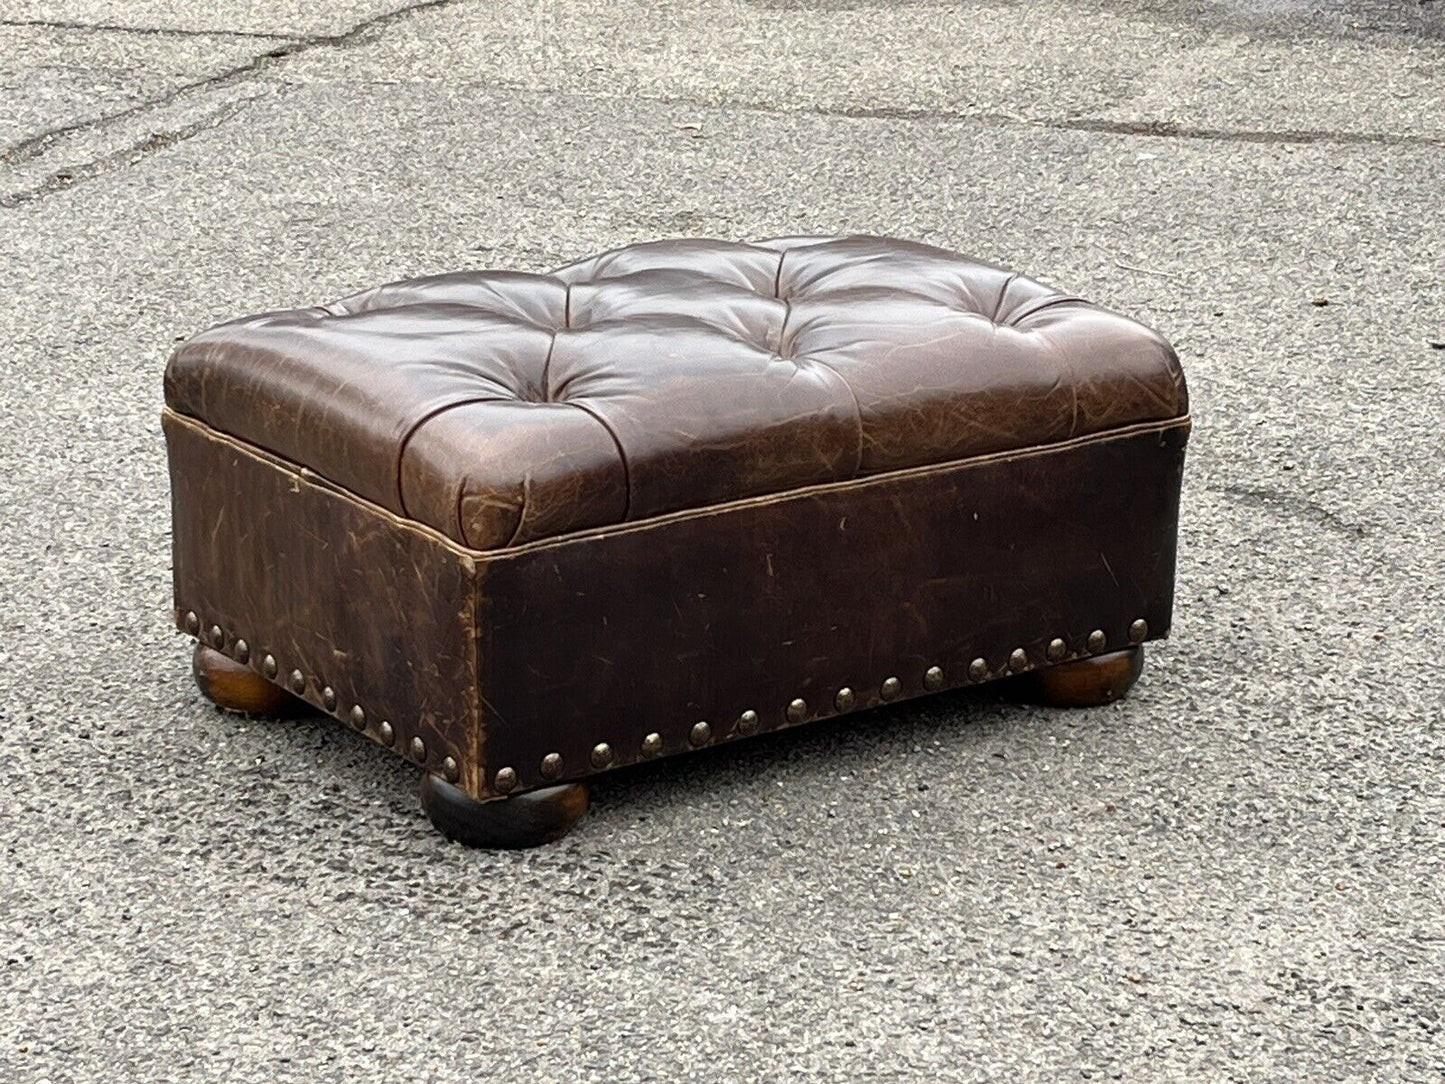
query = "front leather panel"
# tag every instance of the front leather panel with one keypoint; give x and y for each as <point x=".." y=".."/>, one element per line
<point x="611" y="636"/>
<point x="501" y="408"/>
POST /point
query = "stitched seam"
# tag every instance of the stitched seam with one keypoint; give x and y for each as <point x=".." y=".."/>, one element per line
<point x="552" y="347"/>
<point x="782" y="334"/>
<point x="1183" y="421"/>
<point x="857" y="410"/>
<point x="521" y="513"/>
<point x="480" y="599"/>
<point x="621" y="458"/>
<point x="416" y="426"/>
<point x="1003" y="293"/>
<point x="1040" y="305"/>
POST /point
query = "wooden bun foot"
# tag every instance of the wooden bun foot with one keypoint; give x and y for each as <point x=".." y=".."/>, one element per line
<point x="1084" y="683"/>
<point x="229" y="685"/>
<point x="528" y="820"/>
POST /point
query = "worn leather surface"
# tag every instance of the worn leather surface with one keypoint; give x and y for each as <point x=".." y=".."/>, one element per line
<point x="377" y="610"/>
<point x="519" y="515"/>
<point x="501" y="408"/>
<point x="612" y="635"/>
<point x="498" y="659"/>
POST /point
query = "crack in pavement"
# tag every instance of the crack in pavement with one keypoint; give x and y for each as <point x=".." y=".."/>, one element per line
<point x="1290" y="506"/>
<point x="1170" y="130"/>
<point x="1148" y="128"/>
<point x="148" y="31"/>
<point x="34" y="146"/>
<point x="126" y="156"/>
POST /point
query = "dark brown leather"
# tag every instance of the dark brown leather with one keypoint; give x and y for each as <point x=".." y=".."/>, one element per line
<point x="513" y="516"/>
<point x="372" y="607"/>
<point x="502" y="408"/>
<point x="612" y="635"/>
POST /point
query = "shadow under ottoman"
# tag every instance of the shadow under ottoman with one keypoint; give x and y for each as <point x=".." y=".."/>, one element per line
<point x="523" y="528"/>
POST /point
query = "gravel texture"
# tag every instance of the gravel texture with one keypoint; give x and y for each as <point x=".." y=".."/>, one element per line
<point x="1238" y="874"/>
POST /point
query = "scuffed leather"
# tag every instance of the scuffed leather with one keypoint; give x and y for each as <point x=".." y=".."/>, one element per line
<point x="378" y="610"/>
<point x="610" y="635"/>
<point x="498" y="659"/>
<point x="501" y="408"/>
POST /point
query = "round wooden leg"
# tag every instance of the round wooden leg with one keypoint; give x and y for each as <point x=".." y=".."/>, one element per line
<point x="528" y="820"/>
<point x="1084" y="683"/>
<point x="229" y="685"/>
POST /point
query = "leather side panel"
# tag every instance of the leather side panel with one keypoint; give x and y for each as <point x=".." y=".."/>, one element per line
<point x="619" y="633"/>
<point x="355" y="599"/>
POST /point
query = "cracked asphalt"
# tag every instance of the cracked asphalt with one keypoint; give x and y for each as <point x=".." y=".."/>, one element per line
<point x="1238" y="874"/>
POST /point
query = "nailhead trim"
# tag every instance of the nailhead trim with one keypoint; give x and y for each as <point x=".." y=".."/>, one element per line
<point x="296" y="682"/>
<point x="748" y="722"/>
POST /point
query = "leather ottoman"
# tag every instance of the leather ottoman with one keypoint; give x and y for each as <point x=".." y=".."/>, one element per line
<point x="521" y="528"/>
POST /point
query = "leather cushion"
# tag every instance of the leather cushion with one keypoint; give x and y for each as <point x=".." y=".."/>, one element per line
<point x="502" y="407"/>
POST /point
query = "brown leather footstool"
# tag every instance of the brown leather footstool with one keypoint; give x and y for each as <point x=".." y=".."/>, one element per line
<point x="522" y="529"/>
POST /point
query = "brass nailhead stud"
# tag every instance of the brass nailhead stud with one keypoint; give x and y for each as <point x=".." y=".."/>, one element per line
<point x="1097" y="641"/>
<point x="1056" y="650"/>
<point x="385" y="732"/>
<point x="551" y="766"/>
<point x="218" y="637"/>
<point x="268" y="666"/>
<point x="1139" y="631"/>
<point x="700" y="734"/>
<point x="506" y="778"/>
<point x="418" y="749"/>
<point x="978" y="670"/>
<point x="298" y="682"/>
<point x="193" y="623"/>
<point x="933" y="677"/>
<point x="747" y="722"/>
<point x="890" y="688"/>
<point x="845" y="699"/>
<point x="601" y="755"/>
<point x="328" y="698"/>
<point x="242" y="651"/>
<point x="450" y="769"/>
<point x="797" y="710"/>
<point x="358" y="717"/>
<point x="1019" y="660"/>
<point x="652" y="744"/>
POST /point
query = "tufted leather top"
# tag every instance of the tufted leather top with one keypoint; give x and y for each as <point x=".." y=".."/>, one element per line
<point x="501" y="407"/>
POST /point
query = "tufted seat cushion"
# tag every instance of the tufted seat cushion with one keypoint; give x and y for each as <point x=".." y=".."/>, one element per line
<point x="501" y="408"/>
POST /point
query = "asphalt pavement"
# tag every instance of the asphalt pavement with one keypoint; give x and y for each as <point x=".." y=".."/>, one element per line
<point x="1237" y="874"/>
